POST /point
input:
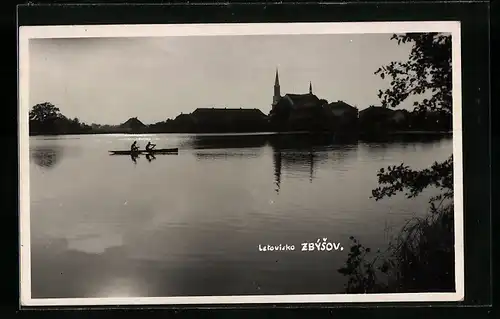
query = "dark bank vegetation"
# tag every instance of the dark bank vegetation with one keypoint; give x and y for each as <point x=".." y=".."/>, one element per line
<point x="47" y="119"/>
<point x="421" y="257"/>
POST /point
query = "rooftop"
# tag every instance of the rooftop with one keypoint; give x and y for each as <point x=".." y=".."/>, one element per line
<point x="340" y="105"/>
<point x="378" y="109"/>
<point x="132" y="122"/>
<point x="225" y="110"/>
<point x="302" y="99"/>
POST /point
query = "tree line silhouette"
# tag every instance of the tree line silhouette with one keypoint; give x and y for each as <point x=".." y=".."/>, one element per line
<point x="47" y="119"/>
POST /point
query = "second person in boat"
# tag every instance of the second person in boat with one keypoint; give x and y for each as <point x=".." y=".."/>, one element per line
<point x="150" y="146"/>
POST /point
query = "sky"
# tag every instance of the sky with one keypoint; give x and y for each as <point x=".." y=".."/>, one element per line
<point x="109" y="80"/>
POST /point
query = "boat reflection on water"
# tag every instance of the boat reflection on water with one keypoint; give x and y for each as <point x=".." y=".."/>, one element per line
<point x="149" y="157"/>
<point x="134" y="157"/>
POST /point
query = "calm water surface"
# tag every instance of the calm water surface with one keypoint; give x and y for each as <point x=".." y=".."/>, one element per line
<point x="191" y="224"/>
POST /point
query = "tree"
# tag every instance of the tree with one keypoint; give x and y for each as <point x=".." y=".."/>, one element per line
<point x="46" y="118"/>
<point x="400" y="178"/>
<point x="427" y="71"/>
<point x="421" y="258"/>
<point x="44" y="112"/>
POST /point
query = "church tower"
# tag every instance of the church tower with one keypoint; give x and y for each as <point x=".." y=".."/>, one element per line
<point x="310" y="88"/>
<point x="277" y="93"/>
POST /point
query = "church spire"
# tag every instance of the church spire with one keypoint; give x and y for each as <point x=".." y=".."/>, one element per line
<point x="310" y="88"/>
<point x="277" y="91"/>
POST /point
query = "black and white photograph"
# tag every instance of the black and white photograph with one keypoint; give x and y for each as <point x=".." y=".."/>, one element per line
<point x="240" y="163"/>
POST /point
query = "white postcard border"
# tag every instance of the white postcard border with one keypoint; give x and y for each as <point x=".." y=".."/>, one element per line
<point x="25" y="33"/>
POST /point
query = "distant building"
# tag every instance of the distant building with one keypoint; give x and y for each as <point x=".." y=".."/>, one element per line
<point x="380" y="120"/>
<point x="376" y="111"/>
<point x="186" y="122"/>
<point x="132" y="125"/>
<point x="295" y="111"/>
<point x="342" y="117"/>
<point x="297" y="101"/>
<point x="391" y="119"/>
<point x="294" y="100"/>
<point x="226" y="114"/>
<point x="342" y="109"/>
<point x="225" y="120"/>
<point x="399" y="116"/>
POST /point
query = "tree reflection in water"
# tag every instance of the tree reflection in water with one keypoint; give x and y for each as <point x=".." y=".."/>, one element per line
<point x="46" y="156"/>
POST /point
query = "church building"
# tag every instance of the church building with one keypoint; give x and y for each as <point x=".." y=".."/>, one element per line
<point x="294" y="100"/>
<point x="296" y="111"/>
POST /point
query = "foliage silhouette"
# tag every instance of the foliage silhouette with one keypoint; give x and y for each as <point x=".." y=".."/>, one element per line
<point x="428" y="70"/>
<point x="402" y="178"/>
<point x="44" y="112"/>
<point x="421" y="257"/>
<point x="46" y="118"/>
<point x="361" y="273"/>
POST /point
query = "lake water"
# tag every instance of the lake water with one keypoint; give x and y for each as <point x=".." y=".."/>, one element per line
<point x="191" y="224"/>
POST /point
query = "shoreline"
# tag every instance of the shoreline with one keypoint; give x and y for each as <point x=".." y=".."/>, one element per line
<point x="395" y="133"/>
<point x="421" y="133"/>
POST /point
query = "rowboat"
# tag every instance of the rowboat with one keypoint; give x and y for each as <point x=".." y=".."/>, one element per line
<point x="152" y="152"/>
